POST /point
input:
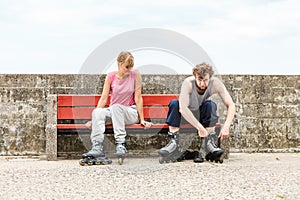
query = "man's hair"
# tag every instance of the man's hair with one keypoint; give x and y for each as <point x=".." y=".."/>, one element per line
<point x="203" y="69"/>
<point x="126" y="56"/>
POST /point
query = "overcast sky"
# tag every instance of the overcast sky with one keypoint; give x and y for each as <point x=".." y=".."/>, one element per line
<point x="239" y="36"/>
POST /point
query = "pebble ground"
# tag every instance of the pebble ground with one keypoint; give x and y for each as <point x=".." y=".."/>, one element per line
<point x="242" y="176"/>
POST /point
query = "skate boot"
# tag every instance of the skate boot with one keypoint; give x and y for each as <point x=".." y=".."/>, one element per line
<point x="184" y="156"/>
<point x="198" y="157"/>
<point x="191" y="155"/>
<point x="95" y="156"/>
<point x="214" y="153"/>
<point x="171" y="152"/>
<point x="120" y="152"/>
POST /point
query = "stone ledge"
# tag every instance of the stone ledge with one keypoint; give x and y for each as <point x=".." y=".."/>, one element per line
<point x="51" y="130"/>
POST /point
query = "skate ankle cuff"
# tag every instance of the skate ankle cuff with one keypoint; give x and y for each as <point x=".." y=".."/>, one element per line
<point x="173" y="135"/>
<point x="121" y="143"/>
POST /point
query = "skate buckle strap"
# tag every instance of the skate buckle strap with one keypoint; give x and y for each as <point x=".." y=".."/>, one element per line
<point x="173" y="135"/>
<point x="170" y="134"/>
<point x="169" y="143"/>
<point x="122" y="147"/>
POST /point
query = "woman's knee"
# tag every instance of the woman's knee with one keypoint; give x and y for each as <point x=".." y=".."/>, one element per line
<point x="98" y="114"/>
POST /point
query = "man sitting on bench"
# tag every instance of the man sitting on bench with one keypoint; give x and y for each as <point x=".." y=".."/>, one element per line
<point x="195" y="107"/>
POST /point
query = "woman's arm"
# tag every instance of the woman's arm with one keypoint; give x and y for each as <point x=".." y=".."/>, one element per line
<point x="105" y="93"/>
<point x="139" y="100"/>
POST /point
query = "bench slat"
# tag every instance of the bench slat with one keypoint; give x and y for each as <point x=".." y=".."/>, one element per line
<point x="92" y="100"/>
<point x="78" y="100"/>
<point x="86" y="113"/>
<point x="133" y="126"/>
<point x="80" y="107"/>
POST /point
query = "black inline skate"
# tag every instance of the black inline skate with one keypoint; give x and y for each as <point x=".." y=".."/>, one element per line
<point x="198" y="157"/>
<point x="171" y="152"/>
<point x="95" y="156"/>
<point x="213" y="150"/>
<point x="191" y="155"/>
<point x="120" y="152"/>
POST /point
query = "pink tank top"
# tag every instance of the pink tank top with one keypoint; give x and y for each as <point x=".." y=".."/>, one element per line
<point x="122" y="91"/>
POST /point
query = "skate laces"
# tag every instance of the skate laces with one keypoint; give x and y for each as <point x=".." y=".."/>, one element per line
<point x="96" y="152"/>
<point x="171" y="146"/>
<point x="211" y="146"/>
<point x="170" y="143"/>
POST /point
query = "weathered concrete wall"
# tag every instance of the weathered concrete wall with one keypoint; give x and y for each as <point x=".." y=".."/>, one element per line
<point x="268" y="112"/>
<point x="267" y="117"/>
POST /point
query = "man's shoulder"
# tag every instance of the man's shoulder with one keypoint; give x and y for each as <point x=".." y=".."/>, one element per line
<point x="217" y="84"/>
<point x="215" y="78"/>
<point x="189" y="78"/>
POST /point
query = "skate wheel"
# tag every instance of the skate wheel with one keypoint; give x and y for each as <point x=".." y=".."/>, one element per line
<point x="207" y="158"/>
<point x="103" y="162"/>
<point x="90" y="163"/>
<point x="98" y="163"/>
<point x="120" y="161"/>
<point x="107" y="162"/>
<point x="161" y="160"/>
<point x="81" y="162"/>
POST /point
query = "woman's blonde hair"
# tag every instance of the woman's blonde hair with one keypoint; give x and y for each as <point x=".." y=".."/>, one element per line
<point x="126" y="56"/>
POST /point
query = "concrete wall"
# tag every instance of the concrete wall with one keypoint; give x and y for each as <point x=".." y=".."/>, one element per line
<point x="267" y="117"/>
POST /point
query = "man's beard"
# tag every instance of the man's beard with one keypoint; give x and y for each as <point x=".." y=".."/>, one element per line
<point x="201" y="91"/>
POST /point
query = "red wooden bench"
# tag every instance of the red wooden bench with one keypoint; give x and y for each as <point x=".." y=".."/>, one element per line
<point x="73" y="111"/>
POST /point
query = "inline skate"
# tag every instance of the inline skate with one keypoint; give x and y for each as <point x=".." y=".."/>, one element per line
<point x="120" y="152"/>
<point x="213" y="150"/>
<point x="171" y="152"/>
<point x="198" y="157"/>
<point x="95" y="156"/>
<point x="191" y="155"/>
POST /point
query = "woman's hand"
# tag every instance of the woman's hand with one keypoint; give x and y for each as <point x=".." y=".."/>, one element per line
<point x="146" y="124"/>
<point x="88" y="124"/>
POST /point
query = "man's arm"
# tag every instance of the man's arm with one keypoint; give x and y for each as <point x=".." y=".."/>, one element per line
<point x="227" y="100"/>
<point x="184" y="99"/>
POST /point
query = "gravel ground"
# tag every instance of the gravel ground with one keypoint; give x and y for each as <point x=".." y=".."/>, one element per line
<point x="242" y="176"/>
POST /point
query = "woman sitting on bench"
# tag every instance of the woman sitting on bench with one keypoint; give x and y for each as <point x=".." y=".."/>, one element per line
<point x="126" y="107"/>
